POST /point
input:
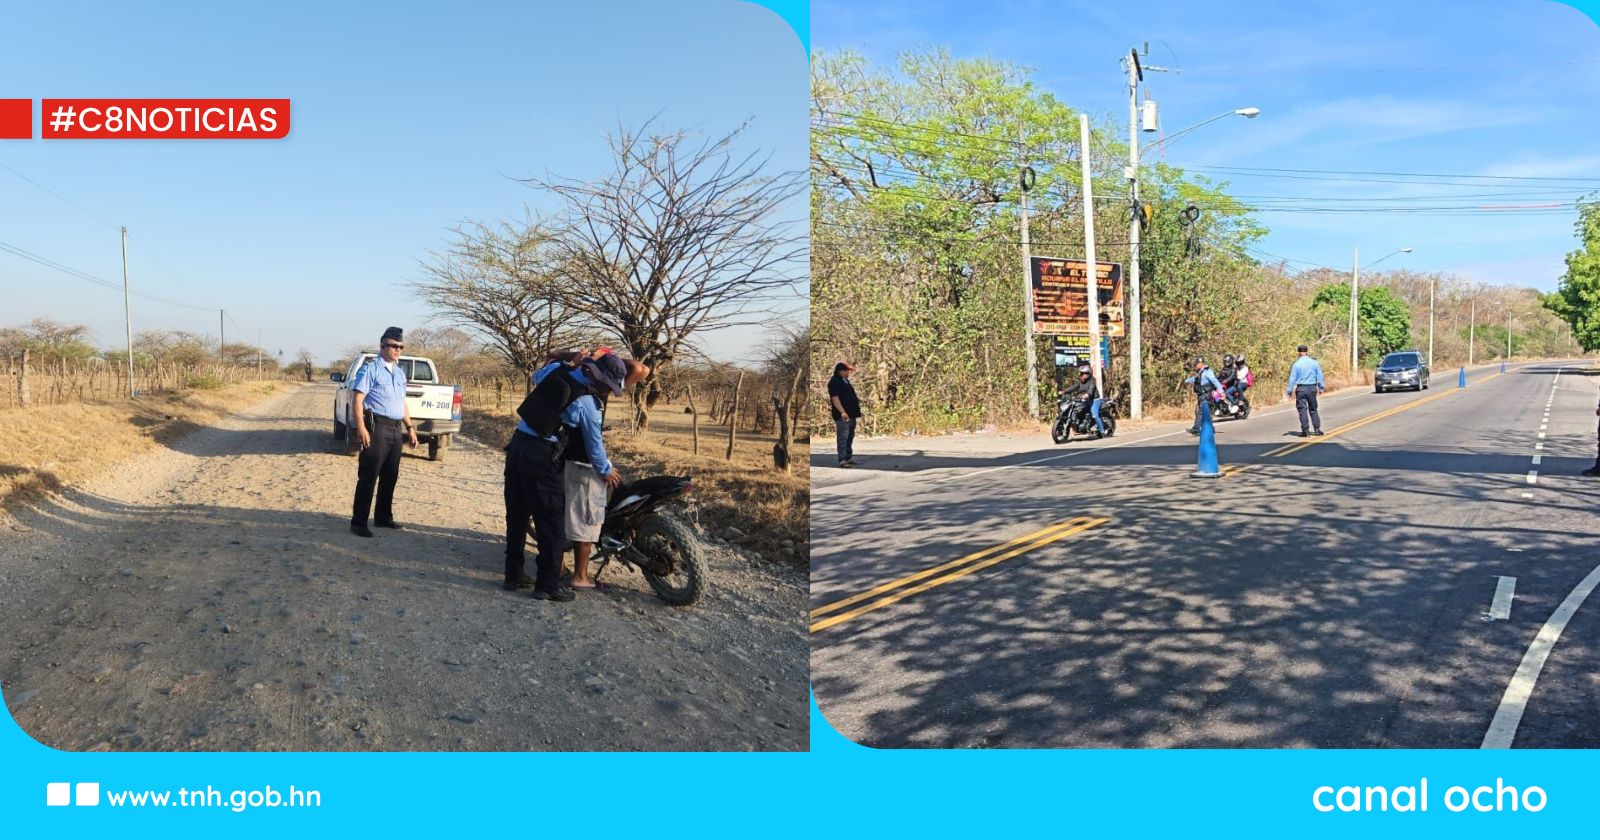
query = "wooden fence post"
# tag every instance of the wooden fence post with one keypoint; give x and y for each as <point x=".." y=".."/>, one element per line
<point x="22" y="380"/>
<point x="694" y="422"/>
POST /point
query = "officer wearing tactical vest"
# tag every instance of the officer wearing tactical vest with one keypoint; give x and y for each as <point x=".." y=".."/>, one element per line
<point x="1204" y="383"/>
<point x="536" y="462"/>
<point x="378" y="417"/>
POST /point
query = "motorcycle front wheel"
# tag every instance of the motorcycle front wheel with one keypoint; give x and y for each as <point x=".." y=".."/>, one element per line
<point x="671" y="544"/>
<point x="1061" y="432"/>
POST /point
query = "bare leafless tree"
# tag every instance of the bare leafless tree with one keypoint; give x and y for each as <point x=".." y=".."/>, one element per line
<point x="501" y="281"/>
<point x="681" y="238"/>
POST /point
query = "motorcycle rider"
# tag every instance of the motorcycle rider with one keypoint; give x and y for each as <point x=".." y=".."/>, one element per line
<point x="1204" y="382"/>
<point x="1229" y="377"/>
<point x="1086" y="389"/>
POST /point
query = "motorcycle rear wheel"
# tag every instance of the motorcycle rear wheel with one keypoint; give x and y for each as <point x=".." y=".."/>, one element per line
<point x="667" y="539"/>
<point x="1108" y="420"/>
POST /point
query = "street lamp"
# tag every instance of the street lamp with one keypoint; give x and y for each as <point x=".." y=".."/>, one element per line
<point x="1355" y="277"/>
<point x="1247" y="113"/>
<point x="1135" y="328"/>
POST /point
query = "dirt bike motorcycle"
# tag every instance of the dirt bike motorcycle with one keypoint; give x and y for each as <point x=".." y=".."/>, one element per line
<point x="638" y="532"/>
<point x="1073" y="417"/>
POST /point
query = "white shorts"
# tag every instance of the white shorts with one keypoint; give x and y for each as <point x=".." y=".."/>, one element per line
<point x="586" y="502"/>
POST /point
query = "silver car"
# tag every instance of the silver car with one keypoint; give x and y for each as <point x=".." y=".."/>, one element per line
<point x="1403" y="369"/>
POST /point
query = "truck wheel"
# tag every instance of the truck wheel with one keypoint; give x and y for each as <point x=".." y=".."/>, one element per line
<point x="436" y="447"/>
<point x="339" y="430"/>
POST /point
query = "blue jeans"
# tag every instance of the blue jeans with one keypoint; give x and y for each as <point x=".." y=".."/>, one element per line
<point x="1094" y="411"/>
<point x="845" y="437"/>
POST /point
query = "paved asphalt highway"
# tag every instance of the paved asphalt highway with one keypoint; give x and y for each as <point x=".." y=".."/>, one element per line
<point x="1418" y="577"/>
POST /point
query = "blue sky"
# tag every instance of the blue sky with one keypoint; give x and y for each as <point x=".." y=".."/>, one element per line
<point x="408" y="118"/>
<point x="1471" y="88"/>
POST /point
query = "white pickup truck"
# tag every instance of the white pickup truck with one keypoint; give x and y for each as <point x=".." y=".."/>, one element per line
<point x="435" y="408"/>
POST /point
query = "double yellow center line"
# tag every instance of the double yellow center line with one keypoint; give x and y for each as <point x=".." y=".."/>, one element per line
<point x="898" y="590"/>
<point x="1291" y="448"/>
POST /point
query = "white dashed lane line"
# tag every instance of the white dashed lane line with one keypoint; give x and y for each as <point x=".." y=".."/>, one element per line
<point x="1504" y="590"/>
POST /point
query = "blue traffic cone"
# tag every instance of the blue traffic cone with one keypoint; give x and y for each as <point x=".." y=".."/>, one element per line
<point x="1207" y="466"/>
<point x="1461" y="381"/>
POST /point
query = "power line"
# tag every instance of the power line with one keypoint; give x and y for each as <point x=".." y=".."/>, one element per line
<point x="64" y="269"/>
<point x="1433" y="68"/>
<point x="79" y="207"/>
<point x="1406" y="174"/>
<point x="99" y="281"/>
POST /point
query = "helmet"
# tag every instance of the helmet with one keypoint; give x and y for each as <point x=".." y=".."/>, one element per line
<point x="1240" y="360"/>
<point x="1227" y="359"/>
<point x="1084" y="369"/>
<point x="1198" y="360"/>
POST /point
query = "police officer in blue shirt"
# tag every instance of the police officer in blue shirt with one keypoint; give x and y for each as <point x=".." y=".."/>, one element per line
<point x="380" y="416"/>
<point x="1306" y="384"/>
<point x="536" y="465"/>
<point x="1204" y="383"/>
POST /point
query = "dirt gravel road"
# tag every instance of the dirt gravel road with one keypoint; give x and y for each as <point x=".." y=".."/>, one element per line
<point x="211" y="597"/>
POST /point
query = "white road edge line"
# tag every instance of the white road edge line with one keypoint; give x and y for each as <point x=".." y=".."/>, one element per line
<point x="1504" y="591"/>
<point x="1533" y="476"/>
<point x="1535" y="457"/>
<point x="1503" y="729"/>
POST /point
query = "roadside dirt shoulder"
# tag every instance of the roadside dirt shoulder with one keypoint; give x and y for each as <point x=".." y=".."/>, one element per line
<point x="209" y="596"/>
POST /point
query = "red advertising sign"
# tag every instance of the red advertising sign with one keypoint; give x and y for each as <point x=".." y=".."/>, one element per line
<point x="1061" y="296"/>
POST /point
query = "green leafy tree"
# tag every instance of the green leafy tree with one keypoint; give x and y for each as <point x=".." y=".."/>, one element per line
<point x="1491" y="341"/>
<point x="917" y="274"/>
<point x="1577" y="299"/>
<point x="1385" y="319"/>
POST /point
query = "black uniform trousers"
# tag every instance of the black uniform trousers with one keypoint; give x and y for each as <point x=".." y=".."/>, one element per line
<point x="1305" y="402"/>
<point x="534" y="488"/>
<point x="379" y="464"/>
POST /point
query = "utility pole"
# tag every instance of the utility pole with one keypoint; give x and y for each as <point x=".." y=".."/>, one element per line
<point x="222" y="327"/>
<point x="1025" y="180"/>
<point x="1472" y="328"/>
<point x="258" y="352"/>
<point x="1355" y="280"/>
<point x="1135" y="334"/>
<point x="127" y="311"/>
<point x="1432" y="281"/>
<point x="1508" y="336"/>
<point x="1092" y="280"/>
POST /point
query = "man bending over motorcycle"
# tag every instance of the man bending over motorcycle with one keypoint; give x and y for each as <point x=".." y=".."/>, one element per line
<point x="588" y="475"/>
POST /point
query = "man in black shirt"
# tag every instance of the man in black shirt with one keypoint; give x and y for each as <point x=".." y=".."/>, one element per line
<point x="846" y="407"/>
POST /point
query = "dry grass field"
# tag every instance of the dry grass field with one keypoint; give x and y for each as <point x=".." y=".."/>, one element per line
<point x="744" y="492"/>
<point x="49" y="447"/>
